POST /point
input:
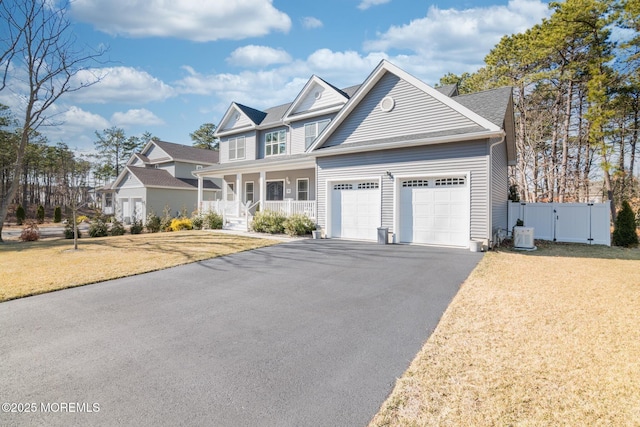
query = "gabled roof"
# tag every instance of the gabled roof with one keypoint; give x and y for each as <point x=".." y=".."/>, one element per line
<point x="313" y="100"/>
<point x="256" y="116"/>
<point x="151" y="177"/>
<point x="177" y="152"/>
<point x="449" y="90"/>
<point x="383" y="68"/>
<point x="188" y="153"/>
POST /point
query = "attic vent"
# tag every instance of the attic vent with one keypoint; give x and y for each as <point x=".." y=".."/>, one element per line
<point x="387" y="104"/>
<point x="317" y="94"/>
<point x="236" y="117"/>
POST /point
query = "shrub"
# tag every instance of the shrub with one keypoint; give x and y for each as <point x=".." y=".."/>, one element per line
<point x="165" y="221"/>
<point x="83" y="218"/>
<point x="30" y="233"/>
<point x="298" y="225"/>
<point x="40" y="214"/>
<point x="213" y="221"/>
<point x="624" y="232"/>
<point x="68" y="231"/>
<point x="136" y="227"/>
<point x="268" y="222"/>
<point x="117" y="229"/>
<point x="98" y="228"/>
<point x="153" y="223"/>
<point x="57" y="214"/>
<point x="197" y="221"/>
<point x="178" y="224"/>
<point x="20" y="215"/>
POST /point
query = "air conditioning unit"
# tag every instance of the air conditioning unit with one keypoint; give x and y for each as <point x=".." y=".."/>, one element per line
<point x="523" y="238"/>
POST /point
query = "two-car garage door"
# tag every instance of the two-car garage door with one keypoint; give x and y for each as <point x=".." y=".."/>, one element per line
<point x="432" y="211"/>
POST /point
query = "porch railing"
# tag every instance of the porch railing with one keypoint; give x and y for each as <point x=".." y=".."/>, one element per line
<point x="287" y="207"/>
<point x="290" y="207"/>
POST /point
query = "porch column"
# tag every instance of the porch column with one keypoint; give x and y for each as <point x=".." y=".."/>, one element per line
<point x="200" y="193"/>
<point x="263" y="189"/>
<point x="238" y="192"/>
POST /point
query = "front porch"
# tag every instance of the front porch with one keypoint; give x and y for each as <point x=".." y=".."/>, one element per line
<point x="285" y="190"/>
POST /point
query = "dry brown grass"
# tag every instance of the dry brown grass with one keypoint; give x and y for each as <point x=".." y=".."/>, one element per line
<point x="31" y="268"/>
<point x="532" y="339"/>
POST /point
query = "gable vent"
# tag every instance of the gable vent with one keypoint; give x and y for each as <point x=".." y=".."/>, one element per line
<point x="387" y="104"/>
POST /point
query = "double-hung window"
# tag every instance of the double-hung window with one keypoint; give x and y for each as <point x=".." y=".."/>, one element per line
<point x="275" y="143"/>
<point x="312" y="130"/>
<point x="236" y="148"/>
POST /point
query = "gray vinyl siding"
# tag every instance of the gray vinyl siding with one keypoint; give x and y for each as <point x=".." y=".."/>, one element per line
<point x="328" y="98"/>
<point x="249" y="147"/>
<point x="155" y="153"/>
<point x="451" y="158"/>
<point x="297" y="132"/>
<point x="414" y="112"/>
<point x="176" y="200"/>
<point x="183" y="170"/>
<point x="129" y="181"/>
<point x="499" y="187"/>
<point x="169" y="167"/>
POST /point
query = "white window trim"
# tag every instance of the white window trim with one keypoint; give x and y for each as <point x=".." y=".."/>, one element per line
<point x="317" y="132"/>
<point x="298" y="189"/>
<point x="253" y="192"/>
<point x="277" y="144"/>
<point x="230" y="190"/>
<point x="235" y="149"/>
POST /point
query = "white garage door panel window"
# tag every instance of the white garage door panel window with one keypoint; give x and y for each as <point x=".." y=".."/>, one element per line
<point x="355" y="210"/>
<point x="434" y="211"/>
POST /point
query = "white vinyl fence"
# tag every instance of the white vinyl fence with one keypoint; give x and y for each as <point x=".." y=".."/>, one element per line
<point x="565" y="222"/>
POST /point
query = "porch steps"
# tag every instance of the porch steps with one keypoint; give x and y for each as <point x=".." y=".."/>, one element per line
<point x="238" y="223"/>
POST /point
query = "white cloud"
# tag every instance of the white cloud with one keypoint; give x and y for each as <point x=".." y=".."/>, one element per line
<point x="366" y="4"/>
<point x="121" y="85"/>
<point x="186" y="19"/>
<point x="135" y="117"/>
<point x="309" y="22"/>
<point x="258" y="56"/>
<point x="461" y="37"/>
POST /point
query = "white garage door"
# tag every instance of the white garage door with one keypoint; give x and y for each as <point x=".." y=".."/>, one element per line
<point x="435" y="211"/>
<point x="355" y="210"/>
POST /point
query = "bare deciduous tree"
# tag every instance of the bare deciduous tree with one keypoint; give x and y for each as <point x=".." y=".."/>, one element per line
<point x="42" y="59"/>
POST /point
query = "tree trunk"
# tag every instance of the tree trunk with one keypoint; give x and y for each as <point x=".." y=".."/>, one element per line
<point x="13" y="188"/>
<point x="562" y="188"/>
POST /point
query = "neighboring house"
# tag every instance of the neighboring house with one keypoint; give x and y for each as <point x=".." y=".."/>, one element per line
<point x="158" y="177"/>
<point x="428" y="164"/>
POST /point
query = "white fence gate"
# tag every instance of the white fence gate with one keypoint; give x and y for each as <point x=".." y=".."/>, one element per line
<point x="565" y="222"/>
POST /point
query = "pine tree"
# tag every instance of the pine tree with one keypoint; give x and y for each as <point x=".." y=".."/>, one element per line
<point x="624" y="232"/>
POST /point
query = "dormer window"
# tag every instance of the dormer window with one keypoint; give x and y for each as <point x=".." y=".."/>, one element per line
<point x="275" y="143"/>
<point x="312" y="130"/>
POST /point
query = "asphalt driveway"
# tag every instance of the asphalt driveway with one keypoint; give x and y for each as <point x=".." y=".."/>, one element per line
<point x="307" y="333"/>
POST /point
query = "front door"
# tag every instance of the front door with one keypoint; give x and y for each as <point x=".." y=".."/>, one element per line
<point x="275" y="190"/>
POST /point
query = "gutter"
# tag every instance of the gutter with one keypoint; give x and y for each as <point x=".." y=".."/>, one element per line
<point x="490" y="187"/>
<point x="344" y="149"/>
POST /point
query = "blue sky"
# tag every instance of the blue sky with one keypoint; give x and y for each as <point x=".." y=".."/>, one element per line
<point x="174" y="65"/>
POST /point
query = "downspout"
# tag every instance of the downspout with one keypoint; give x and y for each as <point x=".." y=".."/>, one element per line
<point x="490" y="195"/>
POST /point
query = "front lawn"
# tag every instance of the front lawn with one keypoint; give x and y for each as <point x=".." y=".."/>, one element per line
<point x="35" y="267"/>
<point x="541" y="338"/>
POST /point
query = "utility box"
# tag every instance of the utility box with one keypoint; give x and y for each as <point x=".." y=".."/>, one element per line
<point x="383" y="235"/>
<point x="523" y="238"/>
